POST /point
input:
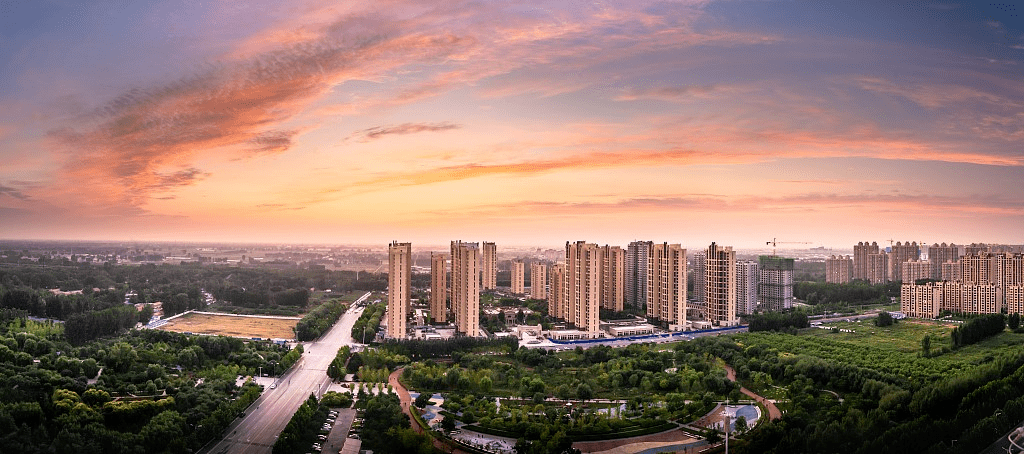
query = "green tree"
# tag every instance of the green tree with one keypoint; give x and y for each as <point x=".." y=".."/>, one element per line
<point x="884" y="319"/>
<point x="422" y="400"/>
<point x="926" y="345"/>
<point x="584" y="392"/>
<point x="741" y="424"/>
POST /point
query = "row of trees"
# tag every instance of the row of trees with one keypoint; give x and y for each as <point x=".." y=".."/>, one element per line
<point x="777" y="321"/>
<point x="977" y="329"/>
<point x="87" y="326"/>
<point x="857" y="292"/>
<point x="417" y="349"/>
<point x="366" y="327"/>
<point x="319" y="320"/>
<point x="302" y="428"/>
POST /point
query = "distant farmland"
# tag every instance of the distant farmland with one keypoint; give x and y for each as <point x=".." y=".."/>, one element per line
<point x="233" y="325"/>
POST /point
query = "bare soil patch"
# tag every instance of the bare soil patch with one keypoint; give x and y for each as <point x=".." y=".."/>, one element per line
<point x="231" y="325"/>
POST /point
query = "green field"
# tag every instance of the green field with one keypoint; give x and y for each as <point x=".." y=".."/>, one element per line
<point x="894" y="349"/>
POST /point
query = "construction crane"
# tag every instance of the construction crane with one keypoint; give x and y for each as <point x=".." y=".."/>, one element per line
<point x="775" y="241"/>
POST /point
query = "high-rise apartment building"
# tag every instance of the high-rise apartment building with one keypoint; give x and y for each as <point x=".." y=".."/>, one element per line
<point x="877" y="268"/>
<point x="700" y="262"/>
<point x="921" y="301"/>
<point x="583" y="285"/>
<point x="538" y="281"/>
<point x="612" y="277"/>
<point x="635" y="274"/>
<point x="466" y="287"/>
<point x="558" y="305"/>
<point x="775" y="289"/>
<point x="838" y="269"/>
<point x="902" y="253"/>
<point x="861" y="261"/>
<point x="1015" y="299"/>
<point x="666" y="284"/>
<point x="983" y="268"/>
<point x="950" y="271"/>
<point x="928" y="300"/>
<point x="399" y="285"/>
<point x="439" y="287"/>
<point x="720" y="285"/>
<point x="913" y="270"/>
<point x="489" y="266"/>
<point x="975" y="249"/>
<point x="518" y="277"/>
<point x="747" y="278"/>
<point x="939" y="254"/>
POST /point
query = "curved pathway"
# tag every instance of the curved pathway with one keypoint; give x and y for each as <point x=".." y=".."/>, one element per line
<point x="773" y="411"/>
<point x="406" y="401"/>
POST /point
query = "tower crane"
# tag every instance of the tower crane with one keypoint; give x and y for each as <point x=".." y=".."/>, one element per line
<point x="775" y="242"/>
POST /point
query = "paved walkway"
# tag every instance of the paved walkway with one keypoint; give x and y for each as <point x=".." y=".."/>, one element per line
<point x="406" y="400"/>
<point x="773" y="411"/>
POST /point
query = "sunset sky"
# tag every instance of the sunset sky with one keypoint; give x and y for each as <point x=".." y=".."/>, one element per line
<point x="519" y="122"/>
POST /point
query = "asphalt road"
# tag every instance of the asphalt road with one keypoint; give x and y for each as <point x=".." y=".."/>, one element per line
<point x="268" y="416"/>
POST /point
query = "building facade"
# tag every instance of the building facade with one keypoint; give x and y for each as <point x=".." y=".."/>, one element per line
<point x="1015" y="299"/>
<point x="489" y="266"/>
<point x="950" y="271"/>
<point x="612" y="278"/>
<point x="930" y="299"/>
<point x="899" y="254"/>
<point x="439" y="287"/>
<point x="747" y="278"/>
<point x="913" y="270"/>
<point x="518" y="277"/>
<point x="878" y="268"/>
<point x="939" y="254"/>
<point x="583" y="285"/>
<point x="466" y="287"/>
<point x="720" y="285"/>
<point x="838" y="269"/>
<point x="666" y="285"/>
<point x="775" y="288"/>
<point x="700" y="262"/>
<point x="399" y="285"/>
<point x="635" y="274"/>
<point x="558" y="306"/>
<point x="538" y="281"/>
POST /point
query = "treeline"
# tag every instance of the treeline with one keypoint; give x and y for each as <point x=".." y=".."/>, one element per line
<point x="417" y="349"/>
<point x="302" y="428"/>
<point x="778" y="321"/>
<point x="81" y="328"/>
<point x="858" y="292"/>
<point x="319" y="320"/>
<point x="368" y="324"/>
<point x="214" y="425"/>
<point x="240" y="296"/>
<point x="42" y="303"/>
<point x="977" y="329"/>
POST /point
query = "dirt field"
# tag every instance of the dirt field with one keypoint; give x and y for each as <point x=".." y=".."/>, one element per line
<point x="230" y="325"/>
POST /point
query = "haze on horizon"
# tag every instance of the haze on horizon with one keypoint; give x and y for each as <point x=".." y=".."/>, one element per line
<point x="518" y="122"/>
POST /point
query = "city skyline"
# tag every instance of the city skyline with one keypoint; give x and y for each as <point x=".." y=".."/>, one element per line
<point x="825" y="122"/>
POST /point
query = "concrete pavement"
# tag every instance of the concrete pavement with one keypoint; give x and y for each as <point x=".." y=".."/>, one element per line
<point x="268" y="416"/>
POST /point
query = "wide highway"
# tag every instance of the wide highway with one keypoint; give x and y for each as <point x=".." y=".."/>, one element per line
<point x="267" y="417"/>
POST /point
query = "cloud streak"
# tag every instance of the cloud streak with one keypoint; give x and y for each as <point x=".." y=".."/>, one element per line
<point x="379" y="132"/>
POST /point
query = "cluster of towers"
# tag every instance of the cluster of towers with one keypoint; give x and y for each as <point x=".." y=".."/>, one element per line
<point x="977" y="278"/>
<point x="594" y="277"/>
<point x="474" y="266"/>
